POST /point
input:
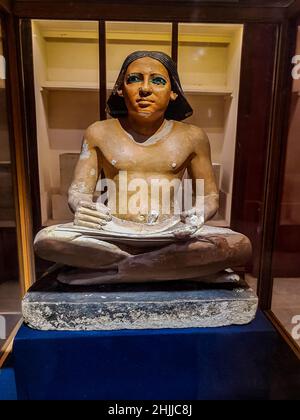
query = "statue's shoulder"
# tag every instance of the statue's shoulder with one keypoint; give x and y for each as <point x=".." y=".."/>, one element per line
<point x="196" y="134"/>
<point x="98" y="130"/>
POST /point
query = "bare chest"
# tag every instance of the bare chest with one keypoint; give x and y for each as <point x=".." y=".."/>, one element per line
<point x="170" y="155"/>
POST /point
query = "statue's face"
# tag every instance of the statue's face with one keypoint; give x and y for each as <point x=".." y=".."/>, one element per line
<point x="147" y="88"/>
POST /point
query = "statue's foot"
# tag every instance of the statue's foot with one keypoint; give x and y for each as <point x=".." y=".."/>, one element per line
<point x="81" y="277"/>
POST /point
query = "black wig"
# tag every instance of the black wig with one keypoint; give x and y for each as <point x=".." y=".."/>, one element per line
<point x="177" y="110"/>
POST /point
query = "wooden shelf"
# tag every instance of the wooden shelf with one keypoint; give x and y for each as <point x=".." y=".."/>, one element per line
<point x="63" y="85"/>
<point x="67" y="29"/>
<point x="208" y="90"/>
<point x="127" y="36"/>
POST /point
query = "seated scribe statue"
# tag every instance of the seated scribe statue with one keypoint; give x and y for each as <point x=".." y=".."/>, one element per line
<point x="135" y="233"/>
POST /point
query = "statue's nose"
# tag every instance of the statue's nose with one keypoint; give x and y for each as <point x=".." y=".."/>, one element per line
<point x="145" y="91"/>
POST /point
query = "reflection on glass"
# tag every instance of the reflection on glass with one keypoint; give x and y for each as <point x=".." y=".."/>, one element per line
<point x="286" y="267"/>
<point x="9" y="285"/>
<point x="123" y="38"/>
<point x="66" y="70"/>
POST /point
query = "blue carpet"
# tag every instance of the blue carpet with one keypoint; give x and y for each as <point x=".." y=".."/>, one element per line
<point x="7" y="384"/>
<point x="178" y="364"/>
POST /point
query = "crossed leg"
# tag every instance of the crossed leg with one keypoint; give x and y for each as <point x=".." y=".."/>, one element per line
<point x="76" y="249"/>
<point x="197" y="257"/>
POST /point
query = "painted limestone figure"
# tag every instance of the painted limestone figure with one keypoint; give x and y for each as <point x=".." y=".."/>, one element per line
<point x="143" y="145"/>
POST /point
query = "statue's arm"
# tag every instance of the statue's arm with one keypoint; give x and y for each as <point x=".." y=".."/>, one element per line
<point x="86" y="174"/>
<point x="201" y="168"/>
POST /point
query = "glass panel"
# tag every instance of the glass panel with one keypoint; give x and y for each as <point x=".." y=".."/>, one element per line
<point x="209" y="61"/>
<point x="123" y="38"/>
<point x="286" y="267"/>
<point x="66" y="67"/>
<point x="10" y="296"/>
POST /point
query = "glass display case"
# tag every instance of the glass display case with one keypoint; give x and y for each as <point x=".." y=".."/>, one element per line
<point x="234" y="64"/>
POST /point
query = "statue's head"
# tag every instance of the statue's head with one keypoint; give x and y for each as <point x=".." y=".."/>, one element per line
<point x="149" y="86"/>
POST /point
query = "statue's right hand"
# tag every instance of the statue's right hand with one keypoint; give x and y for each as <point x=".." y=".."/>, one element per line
<point x="92" y="215"/>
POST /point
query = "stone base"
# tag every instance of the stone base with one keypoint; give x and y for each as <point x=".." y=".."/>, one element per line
<point x="50" y="305"/>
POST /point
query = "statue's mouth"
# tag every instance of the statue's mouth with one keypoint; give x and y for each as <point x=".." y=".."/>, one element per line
<point x="145" y="100"/>
<point x="144" y="103"/>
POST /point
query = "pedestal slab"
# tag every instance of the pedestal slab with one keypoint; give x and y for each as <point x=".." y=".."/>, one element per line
<point x="50" y="305"/>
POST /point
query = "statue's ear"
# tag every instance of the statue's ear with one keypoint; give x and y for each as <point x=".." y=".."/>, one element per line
<point x="173" y="96"/>
<point x="120" y="92"/>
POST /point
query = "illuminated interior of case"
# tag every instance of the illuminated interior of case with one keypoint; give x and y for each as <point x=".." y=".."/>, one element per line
<point x="66" y="67"/>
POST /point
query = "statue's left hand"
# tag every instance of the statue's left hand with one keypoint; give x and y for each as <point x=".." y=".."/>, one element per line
<point x="193" y="220"/>
<point x="193" y="217"/>
<point x="92" y="215"/>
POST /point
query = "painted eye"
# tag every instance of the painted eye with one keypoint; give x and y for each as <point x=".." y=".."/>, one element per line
<point x="133" y="79"/>
<point x="159" y="81"/>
